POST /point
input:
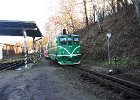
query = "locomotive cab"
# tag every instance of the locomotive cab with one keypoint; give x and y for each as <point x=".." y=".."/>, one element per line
<point x="68" y="49"/>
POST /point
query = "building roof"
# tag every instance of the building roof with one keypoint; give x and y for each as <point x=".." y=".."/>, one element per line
<point x="15" y="28"/>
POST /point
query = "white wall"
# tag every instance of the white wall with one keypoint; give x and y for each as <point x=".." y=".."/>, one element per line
<point x="1" y="53"/>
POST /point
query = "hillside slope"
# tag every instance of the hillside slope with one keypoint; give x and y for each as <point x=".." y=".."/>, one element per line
<point x="125" y="41"/>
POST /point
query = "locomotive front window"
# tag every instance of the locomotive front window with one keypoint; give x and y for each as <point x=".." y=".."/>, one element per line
<point x="63" y="41"/>
<point x="69" y="41"/>
<point x="76" y="40"/>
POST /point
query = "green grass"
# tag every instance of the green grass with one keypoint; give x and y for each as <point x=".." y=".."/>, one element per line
<point x="122" y="62"/>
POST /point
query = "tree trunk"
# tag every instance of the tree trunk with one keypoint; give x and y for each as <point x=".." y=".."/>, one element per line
<point x="112" y="4"/>
<point x="85" y="8"/>
<point x="94" y="16"/>
<point x="72" y="22"/>
<point x="104" y="8"/>
<point x="68" y="29"/>
<point x="137" y="8"/>
<point x="94" y="9"/>
<point x="118" y="5"/>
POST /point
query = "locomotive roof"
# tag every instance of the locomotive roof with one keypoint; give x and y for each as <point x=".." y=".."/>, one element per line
<point x="15" y="28"/>
<point x="69" y="35"/>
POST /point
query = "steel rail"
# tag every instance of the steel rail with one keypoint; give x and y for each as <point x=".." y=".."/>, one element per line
<point x="15" y="63"/>
<point x="129" y="88"/>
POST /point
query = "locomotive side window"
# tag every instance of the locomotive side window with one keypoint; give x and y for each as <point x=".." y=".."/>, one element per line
<point x="62" y="40"/>
<point x="76" y="40"/>
<point x="69" y="41"/>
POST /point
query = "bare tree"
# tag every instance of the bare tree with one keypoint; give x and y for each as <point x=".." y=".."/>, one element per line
<point x="67" y="11"/>
<point x="68" y="18"/>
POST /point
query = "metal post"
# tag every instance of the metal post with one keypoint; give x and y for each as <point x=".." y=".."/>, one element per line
<point x="40" y="47"/>
<point x="34" y="44"/>
<point x="25" y="48"/>
<point x="108" y="52"/>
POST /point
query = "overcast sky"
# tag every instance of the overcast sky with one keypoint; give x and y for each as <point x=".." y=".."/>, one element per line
<point x="28" y="10"/>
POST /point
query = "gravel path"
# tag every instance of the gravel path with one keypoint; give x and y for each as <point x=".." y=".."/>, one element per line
<point x="49" y="81"/>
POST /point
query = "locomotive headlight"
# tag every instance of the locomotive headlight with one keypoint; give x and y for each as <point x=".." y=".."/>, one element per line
<point x="77" y="51"/>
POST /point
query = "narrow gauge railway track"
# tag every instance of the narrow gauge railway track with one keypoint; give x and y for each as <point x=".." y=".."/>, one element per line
<point x="129" y="89"/>
<point x="16" y="62"/>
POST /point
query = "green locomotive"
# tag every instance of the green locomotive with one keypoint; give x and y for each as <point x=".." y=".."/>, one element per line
<point x="65" y="49"/>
